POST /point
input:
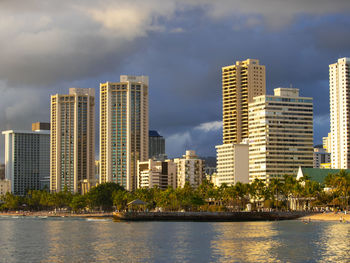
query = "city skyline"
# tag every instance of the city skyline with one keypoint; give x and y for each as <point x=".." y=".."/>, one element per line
<point x="296" y="42"/>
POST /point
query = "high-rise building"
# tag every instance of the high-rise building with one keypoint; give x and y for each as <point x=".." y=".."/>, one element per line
<point x="339" y="89"/>
<point x="72" y="156"/>
<point x="123" y="129"/>
<point x="156" y="145"/>
<point x="190" y="169"/>
<point x="232" y="164"/>
<point x="156" y="173"/>
<point x="240" y="83"/>
<point x="280" y="134"/>
<point x="27" y="160"/>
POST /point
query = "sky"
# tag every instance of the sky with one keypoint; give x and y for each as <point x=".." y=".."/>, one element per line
<point x="46" y="47"/>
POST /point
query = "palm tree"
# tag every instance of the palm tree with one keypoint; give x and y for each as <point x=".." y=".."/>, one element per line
<point x="276" y="186"/>
<point x="241" y="190"/>
<point x="342" y="182"/>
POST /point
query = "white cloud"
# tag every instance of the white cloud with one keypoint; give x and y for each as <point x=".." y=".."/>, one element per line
<point x="177" y="30"/>
<point x="321" y="120"/>
<point x="209" y="126"/>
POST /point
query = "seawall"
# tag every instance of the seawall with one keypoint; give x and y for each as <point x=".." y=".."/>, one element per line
<point x="208" y="216"/>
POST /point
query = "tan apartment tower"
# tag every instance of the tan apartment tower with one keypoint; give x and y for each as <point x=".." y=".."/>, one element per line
<point x="72" y="149"/>
<point x="339" y="89"/>
<point x="280" y="134"/>
<point x="240" y="83"/>
<point x="123" y="129"/>
<point x="190" y="169"/>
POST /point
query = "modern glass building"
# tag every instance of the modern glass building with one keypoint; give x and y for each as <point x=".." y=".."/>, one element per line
<point x="73" y="141"/>
<point x="156" y="145"/>
<point x="123" y="129"/>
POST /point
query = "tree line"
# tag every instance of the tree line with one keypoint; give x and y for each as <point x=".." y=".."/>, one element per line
<point x="307" y="194"/>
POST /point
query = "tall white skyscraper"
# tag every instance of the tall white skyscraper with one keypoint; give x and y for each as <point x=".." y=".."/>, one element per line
<point x="123" y="129"/>
<point x="72" y="146"/>
<point x="339" y="89"/>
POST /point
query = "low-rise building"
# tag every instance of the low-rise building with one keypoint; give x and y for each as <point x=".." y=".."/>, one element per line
<point x="326" y="165"/>
<point x="232" y="164"/>
<point x="190" y="169"/>
<point x="321" y="156"/>
<point x="317" y="174"/>
<point x="5" y="187"/>
<point x="156" y="173"/>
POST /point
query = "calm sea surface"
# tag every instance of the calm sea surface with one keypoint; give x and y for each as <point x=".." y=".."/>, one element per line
<point x="85" y="240"/>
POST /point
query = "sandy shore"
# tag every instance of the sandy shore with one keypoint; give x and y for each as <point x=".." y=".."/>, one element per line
<point x="57" y="214"/>
<point x="327" y="217"/>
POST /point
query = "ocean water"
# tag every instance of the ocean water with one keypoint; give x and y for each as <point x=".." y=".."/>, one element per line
<point x="28" y="239"/>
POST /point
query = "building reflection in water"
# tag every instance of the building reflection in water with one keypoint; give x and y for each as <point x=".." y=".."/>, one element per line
<point x="335" y="242"/>
<point x="244" y="242"/>
<point x="89" y="240"/>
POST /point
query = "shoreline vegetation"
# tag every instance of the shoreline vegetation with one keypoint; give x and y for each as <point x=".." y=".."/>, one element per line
<point x="284" y="195"/>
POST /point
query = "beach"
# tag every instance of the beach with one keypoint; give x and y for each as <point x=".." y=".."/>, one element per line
<point x="330" y="216"/>
<point x="56" y="214"/>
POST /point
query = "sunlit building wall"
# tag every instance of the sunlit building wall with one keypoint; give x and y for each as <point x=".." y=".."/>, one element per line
<point x="123" y="129"/>
<point x="240" y="83"/>
<point x="232" y="164"/>
<point x="190" y="169"/>
<point x="72" y="150"/>
<point x="339" y="89"/>
<point x="156" y="174"/>
<point x="327" y="142"/>
<point x="280" y="134"/>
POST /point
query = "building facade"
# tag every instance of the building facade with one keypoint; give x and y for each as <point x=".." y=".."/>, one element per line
<point x="27" y="160"/>
<point x="280" y="134"/>
<point x="156" y="145"/>
<point x="240" y="83"/>
<point x="339" y="89"/>
<point x="321" y="157"/>
<point x="5" y="187"/>
<point x="123" y="129"/>
<point x="156" y="173"/>
<point x="190" y="169"/>
<point x="2" y="171"/>
<point x="327" y="142"/>
<point x="72" y="149"/>
<point x="232" y="164"/>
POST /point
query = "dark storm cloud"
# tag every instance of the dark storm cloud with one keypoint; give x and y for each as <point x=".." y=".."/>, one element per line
<point x="46" y="47"/>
